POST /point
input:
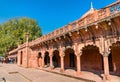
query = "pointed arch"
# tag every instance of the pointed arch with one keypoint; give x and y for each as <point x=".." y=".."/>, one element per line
<point x="47" y="59"/>
<point x="70" y="58"/>
<point x="56" y="58"/>
<point x="91" y="59"/>
<point x="115" y="55"/>
<point x="39" y="59"/>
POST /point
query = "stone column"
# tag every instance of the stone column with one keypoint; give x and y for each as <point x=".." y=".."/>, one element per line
<point x="18" y="54"/>
<point x="106" y="66"/>
<point x="105" y="52"/>
<point x="27" y="44"/>
<point x="62" y="63"/>
<point x="78" y="54"/>
<point x="78" y="64"/>
<point x="51" y="62"/>
<point x="37" y="59"/>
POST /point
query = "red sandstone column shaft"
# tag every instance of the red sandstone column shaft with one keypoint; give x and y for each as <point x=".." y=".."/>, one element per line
<point x="78" y="64"/>
<point x="106" y="67"/>
<point x="51" y="62"/>
<point x="62" y="63"/>
<point x="78" y="58"/>
<point x="27" y="44"/>
<point x="105" y="59"/>
<point x="18" y="55"/>
<point x="42" y="61"/>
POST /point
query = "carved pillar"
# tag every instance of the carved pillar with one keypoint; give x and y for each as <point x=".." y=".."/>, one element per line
<point x="62" y="63"/>
<point x="78" y="54"/>
<point x="106" y="66"/>
<point x="27" y="45"/>
<point x="104" y="50"/>
<point x="105" y="59"/>
<point x="37" y="59"/>
<point x="78" y="64"/>
<point x="18" y="54"/>
<point x="51" y="62"/>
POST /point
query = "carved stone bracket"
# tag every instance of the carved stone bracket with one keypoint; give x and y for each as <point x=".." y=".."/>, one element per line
<point x="70" y="34"/>
<point x="63" y="49"/>
<point x="79" y="54"/>
<point x="106" y="54"/>
<point x="62" y="55"/>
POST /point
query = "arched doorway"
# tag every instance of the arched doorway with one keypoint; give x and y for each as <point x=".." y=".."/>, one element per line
<point x="70" y="58"/>
<point x="91" y="59"/>
<point x="56" y="58"/>
<point x="39" y="59"/>
<point x="21" y="57"/>
<point x="47" y="59"/>
<point x="115" y="49"/>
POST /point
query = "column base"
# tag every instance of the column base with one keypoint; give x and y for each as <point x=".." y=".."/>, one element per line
<point x="78" y="72"/>
<point x="106" y="77"/>
<point x="51" y="68"/>
<point x="42" y="67"/>
<point x="62" y="70"/>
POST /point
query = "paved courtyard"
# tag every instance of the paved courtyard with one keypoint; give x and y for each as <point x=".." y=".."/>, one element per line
<point x="13" y="73"/>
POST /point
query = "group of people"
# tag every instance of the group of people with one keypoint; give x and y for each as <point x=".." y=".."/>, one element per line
<point x="7" y="60"/>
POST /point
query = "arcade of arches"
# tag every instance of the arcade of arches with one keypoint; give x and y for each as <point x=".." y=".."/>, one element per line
<point x="91" y="43"/>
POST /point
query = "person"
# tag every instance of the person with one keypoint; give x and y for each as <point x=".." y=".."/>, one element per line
<point x="6" y="60"/>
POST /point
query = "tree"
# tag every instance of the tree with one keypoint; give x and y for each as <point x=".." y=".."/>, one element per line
<point x="16" y="29"/>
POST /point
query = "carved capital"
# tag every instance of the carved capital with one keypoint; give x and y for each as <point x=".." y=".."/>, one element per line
<point x="63" y="49"/>
<point x="50" y="55"/>
<point x="106" y="54"/>
<point x="79" y="54"/>
<point x="62" y="55"/>
<point x="70" y="34"/>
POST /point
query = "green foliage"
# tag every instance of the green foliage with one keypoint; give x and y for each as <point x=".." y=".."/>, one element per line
<point x="16" y="29"/>
<point x="1" y="55"/>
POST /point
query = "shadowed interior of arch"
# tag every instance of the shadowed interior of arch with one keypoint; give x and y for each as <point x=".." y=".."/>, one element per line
<point x="70" y="59"/>
<point x="114" y="58"/>
<point x="56" y="59"/>
<point x="91" y="59"/>
<point x="47" y="59"/>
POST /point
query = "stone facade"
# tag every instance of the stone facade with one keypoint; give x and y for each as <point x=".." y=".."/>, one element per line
<point x="91" y="43"/>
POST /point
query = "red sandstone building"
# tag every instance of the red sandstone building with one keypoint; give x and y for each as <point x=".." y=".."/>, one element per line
<point x="91" y="43"/>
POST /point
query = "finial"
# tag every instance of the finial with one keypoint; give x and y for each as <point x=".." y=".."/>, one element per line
<point x="91" y="5"/>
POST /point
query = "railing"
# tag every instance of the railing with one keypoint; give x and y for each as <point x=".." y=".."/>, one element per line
<point x="95" y="16"/>
<point x="115" y="8"/>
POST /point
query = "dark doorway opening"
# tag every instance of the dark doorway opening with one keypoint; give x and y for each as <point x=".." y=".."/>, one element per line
<point x="47" y="59"/>
<point x="56" y="58"/>
<point x="55" y="61"/>
<point x="72" y="60"/>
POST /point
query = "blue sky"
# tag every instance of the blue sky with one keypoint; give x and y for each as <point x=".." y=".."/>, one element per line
<point x="50" y="14"/>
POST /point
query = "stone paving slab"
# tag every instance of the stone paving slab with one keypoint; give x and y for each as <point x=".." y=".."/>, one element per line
<point x="33" y="75"/>
<point x="21" y="74"/>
